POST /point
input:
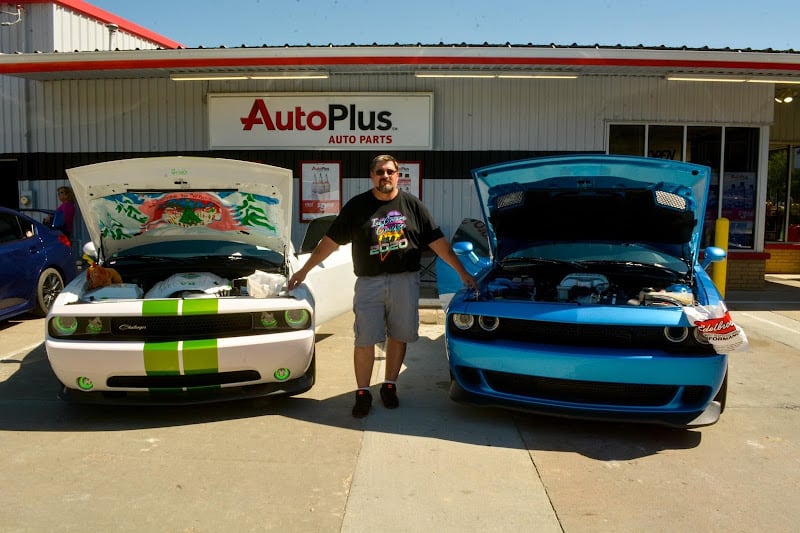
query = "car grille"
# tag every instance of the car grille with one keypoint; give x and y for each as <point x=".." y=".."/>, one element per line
<point x="182" y="327"/>
<point x="181" y="381"/>
<point x="594" y="392"/>
<point x="591" y="335"/>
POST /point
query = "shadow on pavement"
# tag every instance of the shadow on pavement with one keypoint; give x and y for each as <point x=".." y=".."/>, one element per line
<point x="28" y="402"/>
<point x="780" y="293"/>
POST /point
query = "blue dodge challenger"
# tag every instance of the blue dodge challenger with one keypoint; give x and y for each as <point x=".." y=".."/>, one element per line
<point x="591" y="264"/>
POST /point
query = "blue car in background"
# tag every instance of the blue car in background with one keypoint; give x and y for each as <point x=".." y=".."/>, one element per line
<point x="35" y="263"/>
<point x="588" y="265"/>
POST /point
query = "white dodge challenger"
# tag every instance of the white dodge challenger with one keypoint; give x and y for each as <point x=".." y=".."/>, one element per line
<point x="198" y="308"/>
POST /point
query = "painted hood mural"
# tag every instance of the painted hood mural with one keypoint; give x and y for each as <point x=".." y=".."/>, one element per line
<point x="139" y="201"/>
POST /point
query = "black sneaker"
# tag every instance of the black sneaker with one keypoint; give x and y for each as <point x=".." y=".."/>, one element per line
<point x="363" y="403"/>
<point x="389" y="396"/>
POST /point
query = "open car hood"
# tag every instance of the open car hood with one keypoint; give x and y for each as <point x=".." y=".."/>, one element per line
<point x="131" y="202"/>
<point x="601" y="198"/>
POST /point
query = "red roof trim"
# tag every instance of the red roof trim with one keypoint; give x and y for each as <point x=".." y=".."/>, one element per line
<point x="241" y="62"/>
<point x="104" y="16"/>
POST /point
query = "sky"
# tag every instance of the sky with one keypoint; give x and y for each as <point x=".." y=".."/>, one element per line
<point x="734" y="24"/>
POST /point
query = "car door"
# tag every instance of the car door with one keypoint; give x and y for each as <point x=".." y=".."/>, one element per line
<point x="331" y="282"/>
<point x="19" y="266"/>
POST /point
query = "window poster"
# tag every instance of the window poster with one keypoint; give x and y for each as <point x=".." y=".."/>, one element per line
<point x="738" y="206"/>
<point x="410" y="179"/>
<point x="320" y="189"/>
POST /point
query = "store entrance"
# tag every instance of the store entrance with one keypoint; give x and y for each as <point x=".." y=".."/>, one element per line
<point x="783" y="209"/>
<point x="9" y="189"/>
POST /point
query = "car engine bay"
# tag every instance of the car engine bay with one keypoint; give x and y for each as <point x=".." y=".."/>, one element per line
<point x="612" y="286"/>
<point x="169" y="279"/>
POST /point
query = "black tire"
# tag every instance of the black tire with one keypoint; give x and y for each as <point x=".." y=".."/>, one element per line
<point x="722" y="395"/>
<point x="49" y="286"/>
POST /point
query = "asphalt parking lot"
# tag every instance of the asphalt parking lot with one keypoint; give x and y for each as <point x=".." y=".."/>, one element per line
<point x="304" y="464"/>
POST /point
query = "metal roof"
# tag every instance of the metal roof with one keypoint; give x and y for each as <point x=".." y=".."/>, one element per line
<point x="404" y="59"/>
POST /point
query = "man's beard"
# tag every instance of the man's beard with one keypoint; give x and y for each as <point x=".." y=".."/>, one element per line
<point x="385" y="187"/>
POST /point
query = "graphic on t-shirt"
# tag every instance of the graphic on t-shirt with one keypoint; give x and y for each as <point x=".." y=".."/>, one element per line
<point x="391" y="234"/>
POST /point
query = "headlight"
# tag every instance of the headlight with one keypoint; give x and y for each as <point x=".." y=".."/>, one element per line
<point x="78" y="327"/>
<point x="676" y="334"/>
<point x="63" y="326"/>
<point x="699" y="336"/>
<point x="488" y="323"/>
<point x="297" y="318"/>
<point x="268" y="320"/>
<point x="282" y="320"/>
<point x="463" y="322"/>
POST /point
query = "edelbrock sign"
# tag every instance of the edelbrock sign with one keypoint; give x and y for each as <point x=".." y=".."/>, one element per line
<point x="343" y="121"/>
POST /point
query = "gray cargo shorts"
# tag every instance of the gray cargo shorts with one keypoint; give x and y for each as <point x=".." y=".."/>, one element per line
<point x="387" y="304"/>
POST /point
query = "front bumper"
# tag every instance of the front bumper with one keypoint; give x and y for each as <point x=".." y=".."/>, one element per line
<point x="197" y="370"/>
<point x="597" y="383"/>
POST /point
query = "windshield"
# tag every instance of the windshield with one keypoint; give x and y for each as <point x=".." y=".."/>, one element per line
<point x="195" y="249"/>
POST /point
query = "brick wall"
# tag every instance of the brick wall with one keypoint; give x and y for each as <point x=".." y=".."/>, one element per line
<point x="783" y="258"/>
<point x="745" y="273"/>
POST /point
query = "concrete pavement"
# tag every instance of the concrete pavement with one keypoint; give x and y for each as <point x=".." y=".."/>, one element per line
<point x="432" y="465"/>
<point x="304" y="464"/>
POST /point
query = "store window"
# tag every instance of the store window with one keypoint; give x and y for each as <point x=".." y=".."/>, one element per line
<point x="739" y="184"/>
<point x="732" y="197"/>
<point x="665" y="142"/>
<point x="782" y="223"/>
<point x="704" y="147"/>
<point x="626" y="139"/>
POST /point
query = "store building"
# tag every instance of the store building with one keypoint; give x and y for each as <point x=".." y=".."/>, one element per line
<point x="442" y="110"/>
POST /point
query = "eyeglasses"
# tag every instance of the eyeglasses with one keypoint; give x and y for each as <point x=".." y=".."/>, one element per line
<point x="388" y="172"/>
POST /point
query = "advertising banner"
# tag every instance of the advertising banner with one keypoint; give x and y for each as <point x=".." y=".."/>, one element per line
<point x="320" y="189"/>
<point x="321" y="121"/>
<point x="410" y="178"/>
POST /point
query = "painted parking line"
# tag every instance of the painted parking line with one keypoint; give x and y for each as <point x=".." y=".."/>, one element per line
<point x="770" y="322"/>
<point x="22" y="351"/>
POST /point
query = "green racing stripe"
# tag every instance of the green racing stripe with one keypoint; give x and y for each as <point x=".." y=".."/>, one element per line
<point x="198" y="356"/>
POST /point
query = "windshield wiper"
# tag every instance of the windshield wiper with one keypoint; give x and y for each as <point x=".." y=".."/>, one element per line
<point x="636" y="264"/>
<point x="522" y="262"/>
<point x="246" y="259"/>
<point x="143" y="259"/>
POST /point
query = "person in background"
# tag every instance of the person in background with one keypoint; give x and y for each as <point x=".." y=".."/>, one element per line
<point x="64" y="216"/>
<point x="389" y="229"/>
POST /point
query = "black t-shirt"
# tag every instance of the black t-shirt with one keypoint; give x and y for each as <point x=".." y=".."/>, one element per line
<point x="388" y="237"/>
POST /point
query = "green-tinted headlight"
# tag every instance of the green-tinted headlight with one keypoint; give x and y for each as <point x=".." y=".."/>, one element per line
<point x="268" y="320"/>
<point x="94" y="326"/>
<point x="297" y="318"/>
<point x="64" y="325"/>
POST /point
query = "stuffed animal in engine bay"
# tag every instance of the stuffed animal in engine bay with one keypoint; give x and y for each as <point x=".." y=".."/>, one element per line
<point x="99" y="276"/>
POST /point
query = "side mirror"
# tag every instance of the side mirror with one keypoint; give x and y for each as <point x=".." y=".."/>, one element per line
<point x="713" y="254"/>
<point x="466" y="248"/>
<point x="315" y="231"/>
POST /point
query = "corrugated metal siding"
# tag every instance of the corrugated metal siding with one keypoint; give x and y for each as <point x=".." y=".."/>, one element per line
<point x="50" y="27"/>
<point x="786" y="129"/>
<point x="141" y="115"/>
<point x="160" y="115"/>
<point x="12" y="115"/>
<point x="74" y="117"/>
<point x="76" y="31"/>
<point x="12" y="38"/>
<point x="36" y="28"/>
